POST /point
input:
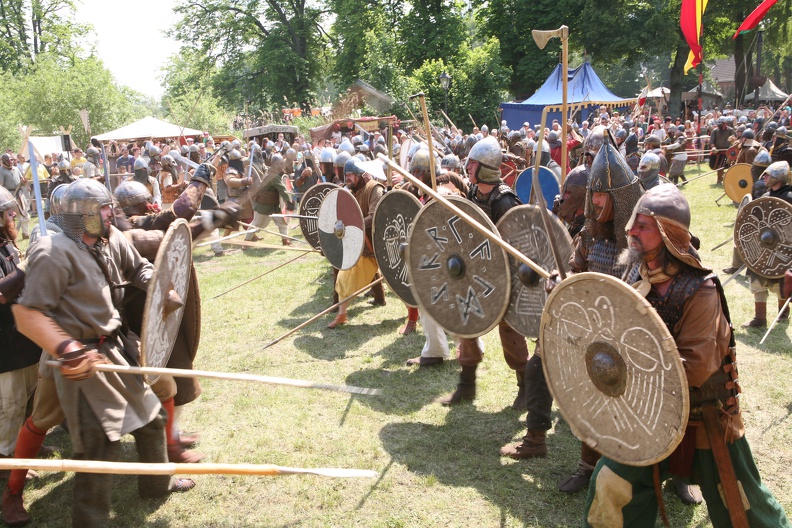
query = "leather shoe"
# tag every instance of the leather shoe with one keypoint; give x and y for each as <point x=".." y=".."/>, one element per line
<point x="176" y="453"/>
<point x="730" y="271"/>
<point x="577" y="481"/>
<point x="14" y="512"/>
<point x="425" y="361"/>
<point x="687" y="493"/>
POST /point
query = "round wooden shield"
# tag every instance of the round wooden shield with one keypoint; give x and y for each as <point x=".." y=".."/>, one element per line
<point x="309" y="206"/>
<point x="393" y="218"/>
<point x="763" y="236"/>
<point x="737" y="181"/>
<point x="745" y="201"/>
<point x="459" y="277"/>
<point x="164" y="310"/>
<point x="522" y="227"/>
<point x="547" y="181"/>
<point x="341" y="230"/>
<point x="732" y="153"/>
<point x="614" y="370"/>
<point x="509" y="172"/>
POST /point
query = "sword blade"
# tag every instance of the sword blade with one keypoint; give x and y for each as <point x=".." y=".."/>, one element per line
<point x="727" y="281"/>
<point x="775" y="321"/>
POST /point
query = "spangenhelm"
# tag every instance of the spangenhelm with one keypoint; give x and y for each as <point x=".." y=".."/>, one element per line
<point x="130" y="193"/>
<point x="778" y="172"/>
<point x="7" y="202"/>
<point x="81" y="209"/>
<point x="487" y="153"/>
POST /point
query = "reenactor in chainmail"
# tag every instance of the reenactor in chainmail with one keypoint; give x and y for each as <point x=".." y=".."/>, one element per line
<point x="649" y="171"/>
<point x="631" y="154"/>
<point x="749" y="147"/>
<point x="494" y="198"/>
<point x="652" y="144"/>
<point x="91" y="166"/>
<point x="141" y="173"/>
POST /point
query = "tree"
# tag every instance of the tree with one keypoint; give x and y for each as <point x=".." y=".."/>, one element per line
<point x="269" y="50"/>
<point x="30" y="28"/>
<point x="433" y="29"/>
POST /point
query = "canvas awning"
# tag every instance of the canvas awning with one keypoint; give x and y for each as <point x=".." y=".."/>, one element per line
<point x="148" y="128"/>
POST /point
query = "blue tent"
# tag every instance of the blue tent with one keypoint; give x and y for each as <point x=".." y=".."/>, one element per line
<point x="583" y="84"/>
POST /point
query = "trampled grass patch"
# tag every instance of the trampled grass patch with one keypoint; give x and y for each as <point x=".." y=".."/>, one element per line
<point x="437" y="466"/>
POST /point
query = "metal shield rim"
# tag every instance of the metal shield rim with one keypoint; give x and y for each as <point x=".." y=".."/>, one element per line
<point x="646" y="311"/>
<point x="182" y="225"/>
<point x="411" y="302"/>
<point x="730" y="183"/>
<point x="421" y="306"/>
<point x="742" y="214"/>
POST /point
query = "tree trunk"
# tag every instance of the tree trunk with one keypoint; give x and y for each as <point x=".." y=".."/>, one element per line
<point x="676" y="75"/>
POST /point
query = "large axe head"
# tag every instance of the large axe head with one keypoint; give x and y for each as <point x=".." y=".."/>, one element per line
<point x="541" y="37"/>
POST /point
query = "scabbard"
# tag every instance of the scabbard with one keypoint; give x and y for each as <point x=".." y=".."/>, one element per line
<point x="720" y="451"/>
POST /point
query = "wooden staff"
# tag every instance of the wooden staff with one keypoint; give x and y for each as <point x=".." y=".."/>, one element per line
<point x="775" y="321"/>
<point x="326" y="311"/>
<point x="140" y="468"/>
<point x="474" y="121"/>
<point x="251" y="226"/>
<point x="508" y="248"/>
<point x="232" y="376"/>
<point x="221" y="239"/>
<point x="740" y="270"/>
<point x="449" y="120"/>
<point x="261" y="275"/>
<point x="701" y="176"/>
<point x="428" y="132"/>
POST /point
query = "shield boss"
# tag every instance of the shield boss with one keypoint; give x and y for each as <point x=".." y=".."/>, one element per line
<point x="522" y="227"/>
<point x="547" y="181"/>
<point x="309" y="206"/>
<point x="763" y="236"/>
<point x="167" y="292"/>
<point x="341" y="230"/>
<point x="737" y="181"/>
<point x="392" y="221"/>
<point x="459" y="277"/>
<point x="614" y="370"/>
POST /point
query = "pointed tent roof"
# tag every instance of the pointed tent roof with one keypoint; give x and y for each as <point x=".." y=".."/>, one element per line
<point x="584" y="85"/>
<point x="146" y="128"/>
<point x="768" y="92"/>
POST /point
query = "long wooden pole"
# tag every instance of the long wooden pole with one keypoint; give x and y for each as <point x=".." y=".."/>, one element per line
<point x="422" y="98"/>
<point x="508" y="248"/>
<point x="140" y="468"/>
<point x="564" y="108"/>
<point x="251" y="226"/>
<point x="229" y="376"/>
<point x="326" y="311"/>
<point x="697" y="177"/>
<point x="775" y="321"/>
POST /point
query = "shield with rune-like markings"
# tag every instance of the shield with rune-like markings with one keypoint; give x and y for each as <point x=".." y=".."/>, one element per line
<point x="309" y="206"/>
<point x="614" y="370"/>
<point x="522" y="227"/>
<point x="392" y="221"/>
<point x="165" y="297"/>
<point x="342" y="233"/>
<point x="460" y="278"/>
<point x="763" y="236"/>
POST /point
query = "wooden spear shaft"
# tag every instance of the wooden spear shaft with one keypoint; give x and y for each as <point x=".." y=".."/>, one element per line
<point x="251" y="226"/>
<point x="261" y="275"/>
<point x="324" y="312"/>
<point x="231" y="376"/>
<point x="140" y="468"/>
<point x="508" y="248"/>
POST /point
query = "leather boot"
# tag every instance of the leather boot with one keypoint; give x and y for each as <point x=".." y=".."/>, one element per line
<point x="582" y="475"/>
<point x="784" y="314"/>
<point x="466" y="388"/>
<point x="760" y="316"/>
<point x="29" y="442"/>
<point x="14" y="512"/>
<point x="520" y="402"/>
<point x="378" y="294"/>
<point x="176" y="452"/>
<point x="532" y="446"/>
<point x="687" y="493"/>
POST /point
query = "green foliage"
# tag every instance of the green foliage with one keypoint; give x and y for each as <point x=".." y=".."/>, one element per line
<point x="52" y="95"/>
<point x="197" y="109"/>
<point x="433" y="30"/>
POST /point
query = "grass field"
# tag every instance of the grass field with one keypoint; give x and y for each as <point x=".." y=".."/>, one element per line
<point x="437" y="466"/>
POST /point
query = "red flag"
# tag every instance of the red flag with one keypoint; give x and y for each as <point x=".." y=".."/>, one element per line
<point x="690" y="24"/>
<point x="642" y="96"/>
<point x="754" y="18"/>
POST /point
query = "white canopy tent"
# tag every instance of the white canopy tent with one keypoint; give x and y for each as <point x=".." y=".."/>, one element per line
<point x="148" y="128"/>
<point x="768" y="92"/>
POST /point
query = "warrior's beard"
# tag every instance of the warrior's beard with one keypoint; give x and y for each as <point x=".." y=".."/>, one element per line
<point x="630" y="257"/>
<point x="9" y="232"/>
<point x="600" y="230"/>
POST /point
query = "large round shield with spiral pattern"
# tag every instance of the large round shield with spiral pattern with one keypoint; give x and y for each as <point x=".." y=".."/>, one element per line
<point x="459" y="277"/>
<point x="614" y="369"/>
<point x="522" y="227"/>
<point x="393" y="219"/>
<point x="166" y="295"/>
<point x="763" y="236"/>
<point x="309" y="206"/>
<point x="342" y="233"/>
